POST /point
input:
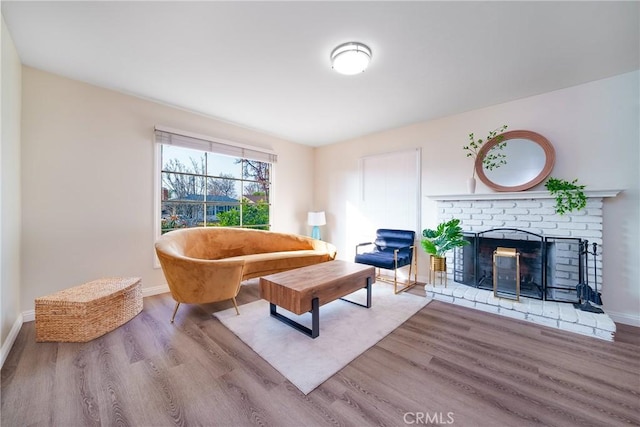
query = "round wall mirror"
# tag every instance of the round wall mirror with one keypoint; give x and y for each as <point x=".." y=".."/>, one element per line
<point x="524" y="159"/>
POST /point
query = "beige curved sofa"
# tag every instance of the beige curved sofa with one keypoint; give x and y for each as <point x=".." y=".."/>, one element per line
<point x="207" y="264"/>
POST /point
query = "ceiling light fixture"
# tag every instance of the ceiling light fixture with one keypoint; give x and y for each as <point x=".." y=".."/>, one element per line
<point x="350" y="58"/>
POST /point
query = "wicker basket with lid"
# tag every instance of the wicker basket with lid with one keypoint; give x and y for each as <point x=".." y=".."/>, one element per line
<point x="87" y="311"/>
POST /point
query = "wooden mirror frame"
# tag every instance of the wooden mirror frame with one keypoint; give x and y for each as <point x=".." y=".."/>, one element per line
<point x="549" y="152"/>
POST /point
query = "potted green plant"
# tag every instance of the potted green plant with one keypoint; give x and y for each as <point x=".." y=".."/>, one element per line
<point x="437" y="242"/>
<point x="569" y="196"/>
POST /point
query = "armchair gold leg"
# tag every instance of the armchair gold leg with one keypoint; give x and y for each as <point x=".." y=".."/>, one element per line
<point x="409" y="284"/>
<point x="175" y="310"/>
<point x="405" y="286"/>
<point x="235" y="305"/>
<point x="395" y="280"/>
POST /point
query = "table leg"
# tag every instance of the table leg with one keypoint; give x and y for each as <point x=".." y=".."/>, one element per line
<point x="314" y="332"/>
<point x="368" y="288"/>
<point x="315" y="317"/>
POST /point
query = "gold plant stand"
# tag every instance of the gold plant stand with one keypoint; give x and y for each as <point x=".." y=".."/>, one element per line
<point x="438" y="268"/>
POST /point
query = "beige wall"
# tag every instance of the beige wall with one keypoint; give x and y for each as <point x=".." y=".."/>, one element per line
<point x="9" y="190"/>
<point x="595" y="130"/>
<point x="88" y="180"/>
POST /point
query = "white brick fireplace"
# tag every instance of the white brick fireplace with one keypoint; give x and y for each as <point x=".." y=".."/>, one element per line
<point x="531" y="211"/>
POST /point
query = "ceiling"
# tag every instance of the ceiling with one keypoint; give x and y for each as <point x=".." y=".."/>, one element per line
<point x="265" y="65"/>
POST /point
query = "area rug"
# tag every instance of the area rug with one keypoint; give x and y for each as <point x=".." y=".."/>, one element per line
<point x="346" y="331"/>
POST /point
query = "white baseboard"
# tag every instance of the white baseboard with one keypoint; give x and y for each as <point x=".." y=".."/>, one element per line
<point x="11" y="338"/>
<point x="28" y="316"/>
<point x="155" y="290"/>
<point x="626" y="318"/>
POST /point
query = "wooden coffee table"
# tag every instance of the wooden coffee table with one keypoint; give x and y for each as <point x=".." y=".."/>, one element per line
<point x="306" y="289"/>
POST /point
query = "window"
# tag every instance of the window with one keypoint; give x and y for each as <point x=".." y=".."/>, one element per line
<point x="204" y="182"/>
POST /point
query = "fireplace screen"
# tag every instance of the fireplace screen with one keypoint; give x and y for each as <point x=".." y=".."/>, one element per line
<point x="506" y="273"/>
<point x="549" y="267"/>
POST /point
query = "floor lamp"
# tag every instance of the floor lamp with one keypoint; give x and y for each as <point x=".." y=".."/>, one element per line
<point x="316" y="219"/>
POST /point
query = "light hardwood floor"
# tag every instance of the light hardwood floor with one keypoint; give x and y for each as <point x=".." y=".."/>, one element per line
<point x="445" y="365"/>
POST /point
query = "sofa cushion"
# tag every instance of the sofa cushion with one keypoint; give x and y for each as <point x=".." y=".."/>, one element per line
<point x="257" y="265"/>
<point x="383" y="259"/>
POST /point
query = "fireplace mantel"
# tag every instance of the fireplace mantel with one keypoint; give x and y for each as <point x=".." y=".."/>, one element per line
<point x="517" y="195"/>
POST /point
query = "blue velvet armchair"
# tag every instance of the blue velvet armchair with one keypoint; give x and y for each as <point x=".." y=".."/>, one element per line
<point x="392" y="249"/>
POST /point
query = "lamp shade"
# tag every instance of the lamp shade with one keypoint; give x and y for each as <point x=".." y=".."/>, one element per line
<point x="316" y="218"/>
<point x="350" y="58"/>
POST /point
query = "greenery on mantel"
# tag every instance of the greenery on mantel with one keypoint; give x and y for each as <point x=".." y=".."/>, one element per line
<point x="491" y="160"/>
<point x="569" y="196"/>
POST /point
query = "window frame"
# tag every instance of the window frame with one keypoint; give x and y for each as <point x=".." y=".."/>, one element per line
<point x="206" y="144"/>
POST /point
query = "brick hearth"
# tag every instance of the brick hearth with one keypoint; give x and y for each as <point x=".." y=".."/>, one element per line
<point x="548" y="313"/>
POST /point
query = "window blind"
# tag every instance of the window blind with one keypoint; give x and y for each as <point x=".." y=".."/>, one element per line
<point x="220" y="146"/>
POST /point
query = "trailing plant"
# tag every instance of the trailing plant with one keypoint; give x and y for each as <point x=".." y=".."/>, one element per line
<point x="493" y="159"/>
<point x="444" y="237"/>
<point x="568" y="195"/>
